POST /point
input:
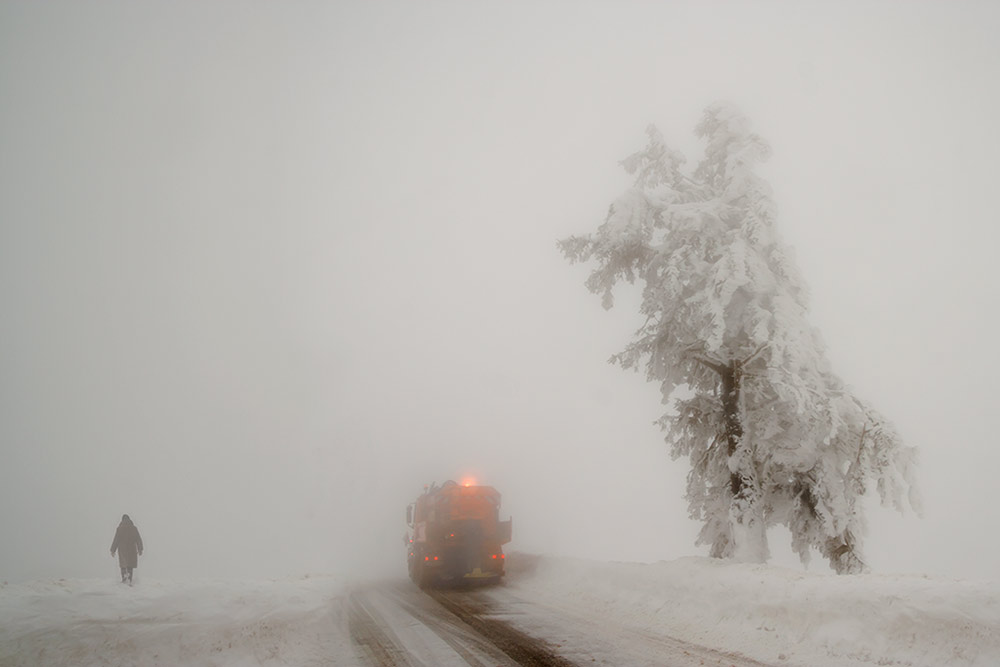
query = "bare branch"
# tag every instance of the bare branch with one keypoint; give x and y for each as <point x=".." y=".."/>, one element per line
<point x="754" y="354"/>
<point x="708" y="363"/>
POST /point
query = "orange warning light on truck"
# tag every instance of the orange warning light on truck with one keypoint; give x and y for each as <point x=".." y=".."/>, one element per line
<point x="454" y="534"/>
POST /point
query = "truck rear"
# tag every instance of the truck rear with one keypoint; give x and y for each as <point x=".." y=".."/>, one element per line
<point x="454" y="534"/>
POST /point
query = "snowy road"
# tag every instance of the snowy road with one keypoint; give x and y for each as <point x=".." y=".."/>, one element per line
<point x="552" y="611"/>
<point x="397" y="624"/>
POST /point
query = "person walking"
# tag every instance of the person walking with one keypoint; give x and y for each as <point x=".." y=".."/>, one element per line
<point x="128" y="544"/>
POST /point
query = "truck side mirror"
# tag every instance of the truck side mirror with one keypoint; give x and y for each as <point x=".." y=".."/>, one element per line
<point x="409" y="515"/>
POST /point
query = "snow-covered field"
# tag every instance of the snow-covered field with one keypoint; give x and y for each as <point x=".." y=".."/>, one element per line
<point x="100" y="622"/>
<point x="771" y="614"/>
<point x="784" y="616"/>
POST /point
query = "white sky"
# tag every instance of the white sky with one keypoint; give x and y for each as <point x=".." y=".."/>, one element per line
<point x="268" y="268"/>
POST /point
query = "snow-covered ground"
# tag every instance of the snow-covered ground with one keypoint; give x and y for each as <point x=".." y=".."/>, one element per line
<point x="88" y="622"/>
<point x="770" y="614"/>
<point x="784" y="616"/>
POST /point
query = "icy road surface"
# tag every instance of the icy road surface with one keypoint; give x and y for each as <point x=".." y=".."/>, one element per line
<point x="396" y="624"/>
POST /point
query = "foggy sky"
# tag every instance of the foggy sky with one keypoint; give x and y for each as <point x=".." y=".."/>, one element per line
<point x="266" y="269"/>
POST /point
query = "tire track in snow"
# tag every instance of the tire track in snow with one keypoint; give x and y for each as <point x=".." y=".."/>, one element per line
<point x="389" y="625"/>
<point x="521" y="647"/>
<point x="370" y="633"/>
<point x="452" y="630"/>
<point x="396" y="624"/>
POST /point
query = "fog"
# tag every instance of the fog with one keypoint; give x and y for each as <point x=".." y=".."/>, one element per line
<point x="266" y="269"/>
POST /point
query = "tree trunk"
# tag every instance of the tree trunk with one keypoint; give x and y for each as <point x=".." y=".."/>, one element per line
<point x="732" y="382"/>
<point x="747" y="531"/>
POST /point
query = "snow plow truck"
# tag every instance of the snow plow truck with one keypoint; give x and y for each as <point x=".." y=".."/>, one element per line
<point x="454" y="535"/>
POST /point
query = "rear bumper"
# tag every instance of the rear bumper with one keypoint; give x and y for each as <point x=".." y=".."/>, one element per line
<point x="453" y="563"/>
<point x="445" y="570"/>
<point x="478" y="573"/>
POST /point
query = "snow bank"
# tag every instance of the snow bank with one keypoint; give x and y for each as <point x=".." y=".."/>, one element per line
<point x="210" y="624"/>
<point x="781" y="616"/>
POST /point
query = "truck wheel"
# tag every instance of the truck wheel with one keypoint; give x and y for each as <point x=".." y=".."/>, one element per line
<point x="422" y="576"/>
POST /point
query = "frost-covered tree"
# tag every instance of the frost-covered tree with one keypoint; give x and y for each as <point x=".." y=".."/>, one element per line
<point x="772" y="435"/>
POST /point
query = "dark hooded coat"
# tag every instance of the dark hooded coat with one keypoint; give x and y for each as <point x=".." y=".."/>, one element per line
<point x="127" y="543"/>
